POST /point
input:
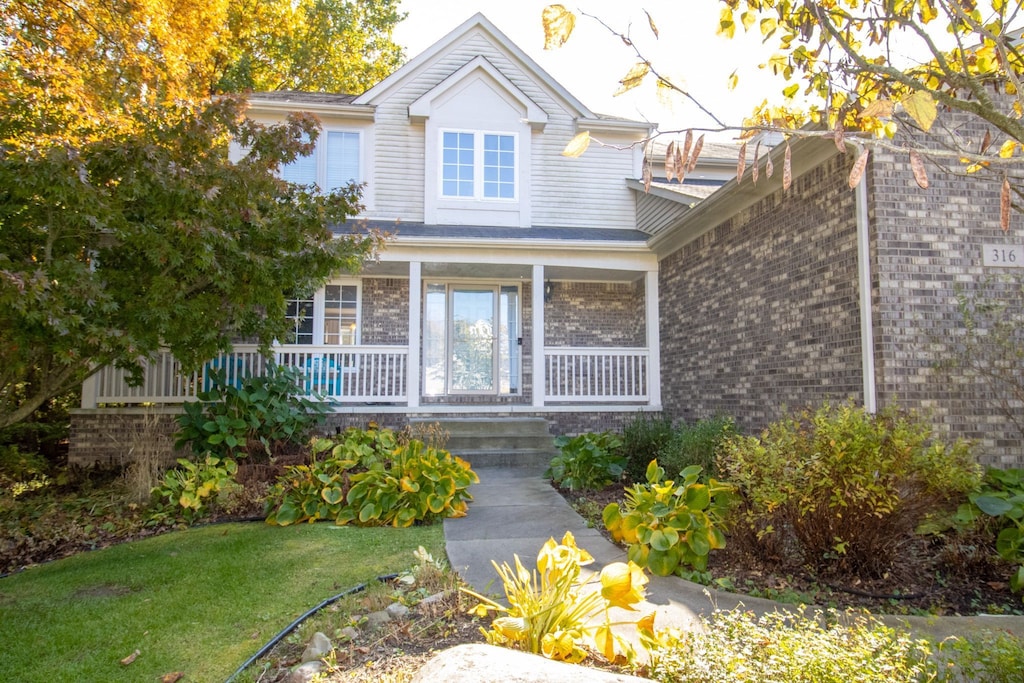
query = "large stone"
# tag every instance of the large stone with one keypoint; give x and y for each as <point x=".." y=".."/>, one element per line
<point x="318" y="647"/>
<point x="397" y="610"/>
<point x="304" y="673"/>
<point x="374" y="620"/>
<point x="490" y="664"/>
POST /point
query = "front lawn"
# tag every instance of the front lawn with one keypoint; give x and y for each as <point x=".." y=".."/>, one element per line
<point x="199" y="601"/>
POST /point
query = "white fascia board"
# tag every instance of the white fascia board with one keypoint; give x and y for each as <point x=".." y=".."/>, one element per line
<point x="422" y="108"/>
<point x="482" y="23"/>
<point x="734" y="197"/>
<point x="610" y="255"/>
<point x="661" y="192"/>
<point x="348" y="111"/>
<point x="615" y="126"/>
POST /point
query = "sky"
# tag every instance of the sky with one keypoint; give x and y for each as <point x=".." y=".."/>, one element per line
<point x="593" y="61"/>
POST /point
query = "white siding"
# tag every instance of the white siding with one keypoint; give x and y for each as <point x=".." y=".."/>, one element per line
<point x="589" y="191"/>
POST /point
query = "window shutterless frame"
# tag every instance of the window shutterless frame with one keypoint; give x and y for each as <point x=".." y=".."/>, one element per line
<point x="478" y="165"/>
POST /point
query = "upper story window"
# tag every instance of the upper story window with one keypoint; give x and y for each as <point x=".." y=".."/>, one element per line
<point x="333" y="164"/>
<point x="478" y="165"/>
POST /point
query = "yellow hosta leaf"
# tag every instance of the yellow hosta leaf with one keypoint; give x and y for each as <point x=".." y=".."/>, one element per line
<point x="623" y="585"/>
<point x="1007" y="148"/>
<point x="921" y="107"/>
<point x="634" y="78"/>
<point x="605" y="642"/>
<point x="578" y="145"/>
<point x="558" y="25"/>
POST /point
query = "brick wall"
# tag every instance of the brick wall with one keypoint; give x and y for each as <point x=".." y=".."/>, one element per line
<point x="385" y="311"/>
<point x="925" y="244"/>
<point x="117" y="437"/>
<point x="595" y="314"/>
<point x="760" y="313"/>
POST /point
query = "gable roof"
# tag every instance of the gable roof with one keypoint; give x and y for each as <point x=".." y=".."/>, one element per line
<point x="478" y="23"/>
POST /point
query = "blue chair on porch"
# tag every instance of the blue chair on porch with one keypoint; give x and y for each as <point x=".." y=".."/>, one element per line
<point x="322" y="375"/>
<point x="229" y="368"/>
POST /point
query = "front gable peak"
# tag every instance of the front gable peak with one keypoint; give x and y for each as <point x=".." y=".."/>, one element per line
<point x="476" y="70"/>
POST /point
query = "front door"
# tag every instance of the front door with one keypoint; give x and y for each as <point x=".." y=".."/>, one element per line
<point x="471" y="339"/>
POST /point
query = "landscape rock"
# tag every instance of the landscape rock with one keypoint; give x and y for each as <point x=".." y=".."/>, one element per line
<point x="351" y="633"/>
<point x="304" y="673"/>
<point x="397" y="610"/>
<point x="374" y="620"/>
<point x="319" y="646"/>
<point x="478" y="663"/>
<point x="436" y="597"/>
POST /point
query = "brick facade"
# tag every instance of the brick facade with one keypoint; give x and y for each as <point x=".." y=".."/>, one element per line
<point x="760" y="313"/>
<point x="385" y="312"/>
<point x="595" y="314"/>
<point x="925" y="244"/>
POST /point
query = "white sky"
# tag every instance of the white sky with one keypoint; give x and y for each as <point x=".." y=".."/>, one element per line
<point x="591" y="63"/>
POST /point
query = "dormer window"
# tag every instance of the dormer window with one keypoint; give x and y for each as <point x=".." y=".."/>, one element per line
<point x="478" y="165"/>
<point x="333" y="164"/>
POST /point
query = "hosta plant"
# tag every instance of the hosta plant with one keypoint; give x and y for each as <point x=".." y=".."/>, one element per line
<point x="1001" y="497"/>
<point x="671" y="527"/>
<point x="587" y="462"/>
<point x="369" y="478"/>
<point x="552" y="612"/>
<point x="191" y="489"/>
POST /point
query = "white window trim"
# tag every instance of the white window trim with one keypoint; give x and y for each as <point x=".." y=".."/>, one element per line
<point x="319" y="307"/>
<point x="478" y="166"/>
<point x="320" y="154"/>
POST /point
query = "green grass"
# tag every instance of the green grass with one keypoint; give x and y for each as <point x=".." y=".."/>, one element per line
<point x="199" y="601"/>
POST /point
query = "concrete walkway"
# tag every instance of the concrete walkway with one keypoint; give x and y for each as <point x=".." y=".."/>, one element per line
<point x="515" y="510"/>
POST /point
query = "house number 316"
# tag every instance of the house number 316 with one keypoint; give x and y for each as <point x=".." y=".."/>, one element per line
<point x="1004" y="256"/>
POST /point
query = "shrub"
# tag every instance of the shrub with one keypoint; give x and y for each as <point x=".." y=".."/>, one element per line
<point x="669" y="528"/>
<point x="550" y="612"/>
<point x="1001" y="497"/>
<point x="695" y="444"/>
<point x="587" y="462"/>
<point x="993" y="657"/>
<point x="193" y="489"/>
<point x="779" y="646"/>
<point x="842" y="489"/>
<point x="257" y="417"/>
<point x="370" y="479"/>
<point x="642" y="439"/>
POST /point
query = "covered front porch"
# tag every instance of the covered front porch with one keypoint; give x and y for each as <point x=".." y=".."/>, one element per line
<point x="458" y="327"/>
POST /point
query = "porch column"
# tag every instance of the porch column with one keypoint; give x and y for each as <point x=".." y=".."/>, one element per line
<point x="89" y="388"/>
<point x="412" y="381"/>
<point x="537" y="294"/>
<point x="653" y="327"/>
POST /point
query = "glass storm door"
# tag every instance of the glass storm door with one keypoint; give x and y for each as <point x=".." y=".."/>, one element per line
<point x="471" y="342"/>
<point x="473" y="360"/>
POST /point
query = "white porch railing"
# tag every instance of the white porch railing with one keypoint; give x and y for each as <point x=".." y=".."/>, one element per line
<point x="357" y="374"/>
<point x="596" y="374"/>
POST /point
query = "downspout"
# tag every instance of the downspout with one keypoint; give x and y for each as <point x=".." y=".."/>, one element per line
<point x="867" y="336"/>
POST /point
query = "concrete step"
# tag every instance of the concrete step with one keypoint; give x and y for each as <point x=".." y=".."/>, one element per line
<point x="527" y="458"/>
<point x="496" y="441"/>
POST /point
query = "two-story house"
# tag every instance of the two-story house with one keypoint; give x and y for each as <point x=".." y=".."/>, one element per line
<point x="520" y="283"/>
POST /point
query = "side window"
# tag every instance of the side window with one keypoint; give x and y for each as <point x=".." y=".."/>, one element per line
<point x="341" y="315"/>
<point x="499" y="166"/>
<point x="300" y="315"/>
<point x="334" y="162"/>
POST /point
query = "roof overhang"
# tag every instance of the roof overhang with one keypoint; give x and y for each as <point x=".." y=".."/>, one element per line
<point x="348" y="111"/>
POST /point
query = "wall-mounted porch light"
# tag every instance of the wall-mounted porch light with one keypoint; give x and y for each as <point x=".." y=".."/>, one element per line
<point x="549" y="291"/>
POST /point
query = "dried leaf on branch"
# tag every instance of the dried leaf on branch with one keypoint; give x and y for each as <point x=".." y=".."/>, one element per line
<point x="757" y="160"/>
<point x="917" y="166"/>
<point x="697" y="146"/>
<point x="1004" y="205"/>
<point x="787" y="168"/>
<point x="857" y="172"/>
<point x="741" y="163"/>
<point x="578" y="145"/>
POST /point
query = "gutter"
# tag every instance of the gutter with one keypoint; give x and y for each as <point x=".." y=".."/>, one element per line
<point x="867" y="336"/>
